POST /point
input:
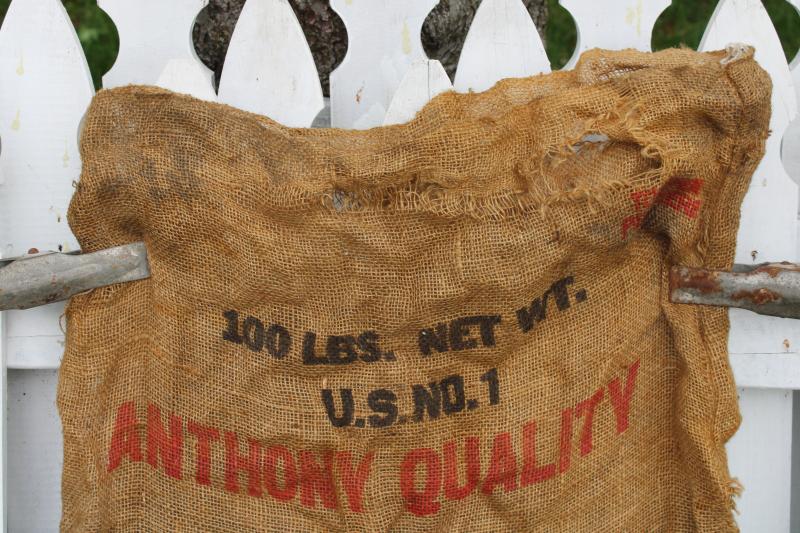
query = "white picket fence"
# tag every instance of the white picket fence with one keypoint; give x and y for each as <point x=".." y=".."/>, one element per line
<point x="45" y="88"/>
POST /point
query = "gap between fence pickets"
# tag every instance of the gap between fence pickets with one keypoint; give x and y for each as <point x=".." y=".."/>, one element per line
<point x="3" y="410"/>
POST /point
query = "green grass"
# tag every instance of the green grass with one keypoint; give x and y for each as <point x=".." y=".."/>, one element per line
<point x="682" y="23"/>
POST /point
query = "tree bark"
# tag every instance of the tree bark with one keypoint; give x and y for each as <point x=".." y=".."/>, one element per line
<point x="443" y="33"/>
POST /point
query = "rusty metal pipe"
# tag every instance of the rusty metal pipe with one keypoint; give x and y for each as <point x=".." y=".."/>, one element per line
<point x="34" y="280"/>
<point x="770" y="289"/>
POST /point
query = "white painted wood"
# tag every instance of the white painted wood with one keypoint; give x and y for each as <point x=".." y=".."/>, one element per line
<point x="761" y="451"/>
<point x="502" y="43"/>
<point x="790" y="150"/>
<point x="269" y="68"/>
<point x="384" y="40"/>
<point x="767" y="371"/>
<point x="36" y="447"/>
<point x="768" y="230"/>
<point x="151" y="34"/>
<point x="45" y="86"/>
<point x="424" y="80"/>
<point x="613" y="24"/>
<point x="759" y="456"/>
<point x="188" y="77"/>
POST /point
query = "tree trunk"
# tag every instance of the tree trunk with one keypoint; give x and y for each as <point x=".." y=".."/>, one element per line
<point x="443" y="33"/>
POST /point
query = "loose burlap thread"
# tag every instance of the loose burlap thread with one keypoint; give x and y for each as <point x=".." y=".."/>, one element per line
<point x="489" y="281"/>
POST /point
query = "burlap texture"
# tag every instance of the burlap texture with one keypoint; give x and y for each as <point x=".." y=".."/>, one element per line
<point x="290" y="262"/>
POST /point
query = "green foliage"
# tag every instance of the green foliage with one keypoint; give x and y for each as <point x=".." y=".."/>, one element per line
<point x="560" y="35"/>
<point x="97" y="34"/>
<point x="787" y="22"/>
<point x="682" y="23"/>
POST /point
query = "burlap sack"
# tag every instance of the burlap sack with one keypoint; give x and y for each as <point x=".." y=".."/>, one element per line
<point x="457" y="324"/>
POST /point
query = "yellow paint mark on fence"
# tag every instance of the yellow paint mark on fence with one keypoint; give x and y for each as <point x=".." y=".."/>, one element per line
<point x="15" y="124"/>
<point x="406" y="38"/>
<point x="21" y="66"/>
<point x="633" y="16"/>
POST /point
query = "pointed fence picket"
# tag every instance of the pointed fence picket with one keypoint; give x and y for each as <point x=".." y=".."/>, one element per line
<point x="768" y="232"/>
<point x="259" y="75"/>
<point x="152" y="33"/>
<point x="791" y="139"/>
<point x="613" y="24"/>
<point x="383" y="41"/>
<point x="45" y="86"/>
<point x="424" y="80"/>
<point x="502" y="42"/>
<point x="45" y="89"/>
<point x="385" y="78"/>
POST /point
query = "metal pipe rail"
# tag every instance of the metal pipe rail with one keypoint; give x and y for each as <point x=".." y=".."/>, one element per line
<point x="38" y="279"/>
<point x="43" y="278"/>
